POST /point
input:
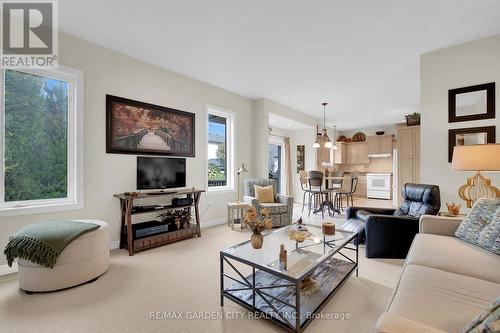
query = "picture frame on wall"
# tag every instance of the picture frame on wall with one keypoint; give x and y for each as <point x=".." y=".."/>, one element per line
<point x="301" y="157"/>
<point x="139" y="128"/>
<point x="471" y="103"/>
<point x="470" y="136"/>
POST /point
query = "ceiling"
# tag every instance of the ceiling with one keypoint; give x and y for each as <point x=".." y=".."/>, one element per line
<point x="277" y="121"/>
<point x="360" y="56"/>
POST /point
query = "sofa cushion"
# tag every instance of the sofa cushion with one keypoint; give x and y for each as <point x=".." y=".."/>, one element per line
<point x="391" y="323"/>
<point x="482" y="226"/>
<point x="443" y="300"/>
<point x="454" y="255"/>
<point x="488" y="321"/>
<point x="274" y="208"/>
<point x="363" y="215"/>
<point x="357" y="226"/>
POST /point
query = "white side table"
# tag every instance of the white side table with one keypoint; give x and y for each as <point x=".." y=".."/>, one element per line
<point x="235" y="211"/>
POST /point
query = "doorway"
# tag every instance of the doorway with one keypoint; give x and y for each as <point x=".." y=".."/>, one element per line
<point x="275" y="160"/>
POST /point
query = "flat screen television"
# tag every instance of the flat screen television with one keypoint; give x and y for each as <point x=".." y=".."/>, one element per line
<point x="160" y="173"/>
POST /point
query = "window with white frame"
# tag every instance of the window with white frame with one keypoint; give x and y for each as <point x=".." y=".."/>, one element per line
<point x="41" y="131"/>
<point x="220" y="149"/>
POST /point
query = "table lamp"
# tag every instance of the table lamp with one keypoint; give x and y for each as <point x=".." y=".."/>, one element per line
<point x="477" y="158"/>
<point x="241" y="169"/>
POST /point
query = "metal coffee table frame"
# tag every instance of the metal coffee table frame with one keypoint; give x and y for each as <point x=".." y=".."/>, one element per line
<point x="250" y="284"/>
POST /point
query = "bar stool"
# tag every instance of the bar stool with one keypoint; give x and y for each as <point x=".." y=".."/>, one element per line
<point x="304" y="187"/>
<point x="348" y="192"/>
<point x="317" y="194"/>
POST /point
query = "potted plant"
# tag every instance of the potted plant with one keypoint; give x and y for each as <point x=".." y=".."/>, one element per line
<point x="413" y="119"/>
<point x="258" y="223"/>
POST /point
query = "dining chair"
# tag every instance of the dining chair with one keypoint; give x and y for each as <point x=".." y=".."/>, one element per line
<point x="304" y="185"/>
<point x="348" y="191"/>
<point x="318" y="194"/>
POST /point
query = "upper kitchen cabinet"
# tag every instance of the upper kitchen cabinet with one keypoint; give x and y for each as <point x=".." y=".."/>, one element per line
<point x="340" y="155"/>
<point x="357" y="153"/>
<point x="379" y="144"/>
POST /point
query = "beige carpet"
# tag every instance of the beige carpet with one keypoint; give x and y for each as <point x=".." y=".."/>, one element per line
<point x="181" y="277"/>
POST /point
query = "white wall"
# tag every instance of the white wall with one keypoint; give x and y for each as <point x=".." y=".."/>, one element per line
<point x="304" y="137"/>
<point x="458" y="66"/>
<point x="262" y="108"/>
<point x="108" y="72"/>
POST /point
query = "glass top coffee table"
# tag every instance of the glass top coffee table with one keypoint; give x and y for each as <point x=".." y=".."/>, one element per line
<point x="317" y="268"/>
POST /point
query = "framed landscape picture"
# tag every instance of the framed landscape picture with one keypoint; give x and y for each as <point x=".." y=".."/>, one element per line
<point x="138" y="128"/>
<point x="469" y="136"/>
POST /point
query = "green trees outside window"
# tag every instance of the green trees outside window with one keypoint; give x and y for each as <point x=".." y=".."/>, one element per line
<point x="36" y="137"/>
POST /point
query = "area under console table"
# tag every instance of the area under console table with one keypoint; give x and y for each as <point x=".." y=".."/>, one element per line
<point x="128" y="230"/>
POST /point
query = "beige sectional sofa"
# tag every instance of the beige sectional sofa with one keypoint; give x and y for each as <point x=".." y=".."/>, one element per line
<point x="445" y="283"/>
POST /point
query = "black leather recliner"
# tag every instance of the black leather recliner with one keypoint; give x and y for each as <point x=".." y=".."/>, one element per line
<point x="388" y="233"/>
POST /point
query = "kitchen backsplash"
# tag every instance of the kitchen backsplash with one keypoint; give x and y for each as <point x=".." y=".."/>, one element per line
<point x="383" y="164"/>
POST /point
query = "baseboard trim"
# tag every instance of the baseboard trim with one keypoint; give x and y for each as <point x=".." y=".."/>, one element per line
<point x="114" y="245"/>
<point x="5" y="270"/>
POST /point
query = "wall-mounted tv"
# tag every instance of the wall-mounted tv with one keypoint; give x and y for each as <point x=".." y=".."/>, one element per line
<point x="160" y="173"/>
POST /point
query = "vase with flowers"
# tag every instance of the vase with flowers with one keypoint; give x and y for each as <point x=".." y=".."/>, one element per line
<point x="258" y="223"/>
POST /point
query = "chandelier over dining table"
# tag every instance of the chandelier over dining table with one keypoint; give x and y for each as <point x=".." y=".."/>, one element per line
<point x="327" y="143"/>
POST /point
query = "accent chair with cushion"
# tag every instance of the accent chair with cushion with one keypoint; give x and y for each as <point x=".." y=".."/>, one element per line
<point x="279" y="205"/>
<point x="388" y="233"/>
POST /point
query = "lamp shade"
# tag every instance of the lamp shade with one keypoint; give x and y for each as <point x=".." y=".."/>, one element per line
<point x="476" y="158"/>
<point x="242" y="168"/>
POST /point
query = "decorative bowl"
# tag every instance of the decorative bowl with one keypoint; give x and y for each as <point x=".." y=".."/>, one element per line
<point x="298" y="236"/>
<point x="380" y="132"/>
<point x="359" y="137"/>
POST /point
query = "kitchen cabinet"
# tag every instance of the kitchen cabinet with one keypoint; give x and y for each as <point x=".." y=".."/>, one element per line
<point x="408" y="138"/>
<point x="380" y="144"/>
<point x="340" y="155"/>
<point x="357" y="153"/>
<point x="322" y="153"/>
<point x="361" y="189"/>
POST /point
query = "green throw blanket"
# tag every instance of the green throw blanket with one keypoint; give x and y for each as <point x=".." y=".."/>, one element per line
<point x="42" y="243"/>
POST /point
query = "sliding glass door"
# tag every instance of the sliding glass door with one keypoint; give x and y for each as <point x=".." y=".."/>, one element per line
<point x="275" y="164"/>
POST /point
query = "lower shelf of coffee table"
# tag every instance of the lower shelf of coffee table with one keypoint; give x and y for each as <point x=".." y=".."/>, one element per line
<point x="327" y="276"/>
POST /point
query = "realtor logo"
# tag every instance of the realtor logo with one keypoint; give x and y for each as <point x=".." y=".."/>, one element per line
<point x="29" y="34"/>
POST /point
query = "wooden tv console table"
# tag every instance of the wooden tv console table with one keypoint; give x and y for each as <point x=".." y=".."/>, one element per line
<point x="128" y="237"/>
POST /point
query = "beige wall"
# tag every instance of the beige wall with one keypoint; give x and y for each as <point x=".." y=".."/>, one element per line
<point x="304" y="137"/>
<point x="108" y="72"/>
<point x="262" y="108"/>
<point x="458" y="66"/>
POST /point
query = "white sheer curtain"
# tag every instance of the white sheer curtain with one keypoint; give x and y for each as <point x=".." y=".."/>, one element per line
<point x="288" y="168"/>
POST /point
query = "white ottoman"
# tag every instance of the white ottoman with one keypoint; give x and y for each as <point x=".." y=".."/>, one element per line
<point x="83" y="260"/>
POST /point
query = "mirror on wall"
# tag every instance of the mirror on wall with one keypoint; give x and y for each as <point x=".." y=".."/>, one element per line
<point x="471" y="103"/>
<point x="469" y="136"/>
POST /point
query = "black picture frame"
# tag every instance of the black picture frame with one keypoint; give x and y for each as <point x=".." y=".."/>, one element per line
<point x="301" y="157"/>
<point x="179" y="142"/>
<point x="452" y="134"/>
<point x="490" y="103"/>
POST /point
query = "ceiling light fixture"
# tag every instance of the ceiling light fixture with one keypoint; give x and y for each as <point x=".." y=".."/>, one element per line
<point x="324" y="133"/>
